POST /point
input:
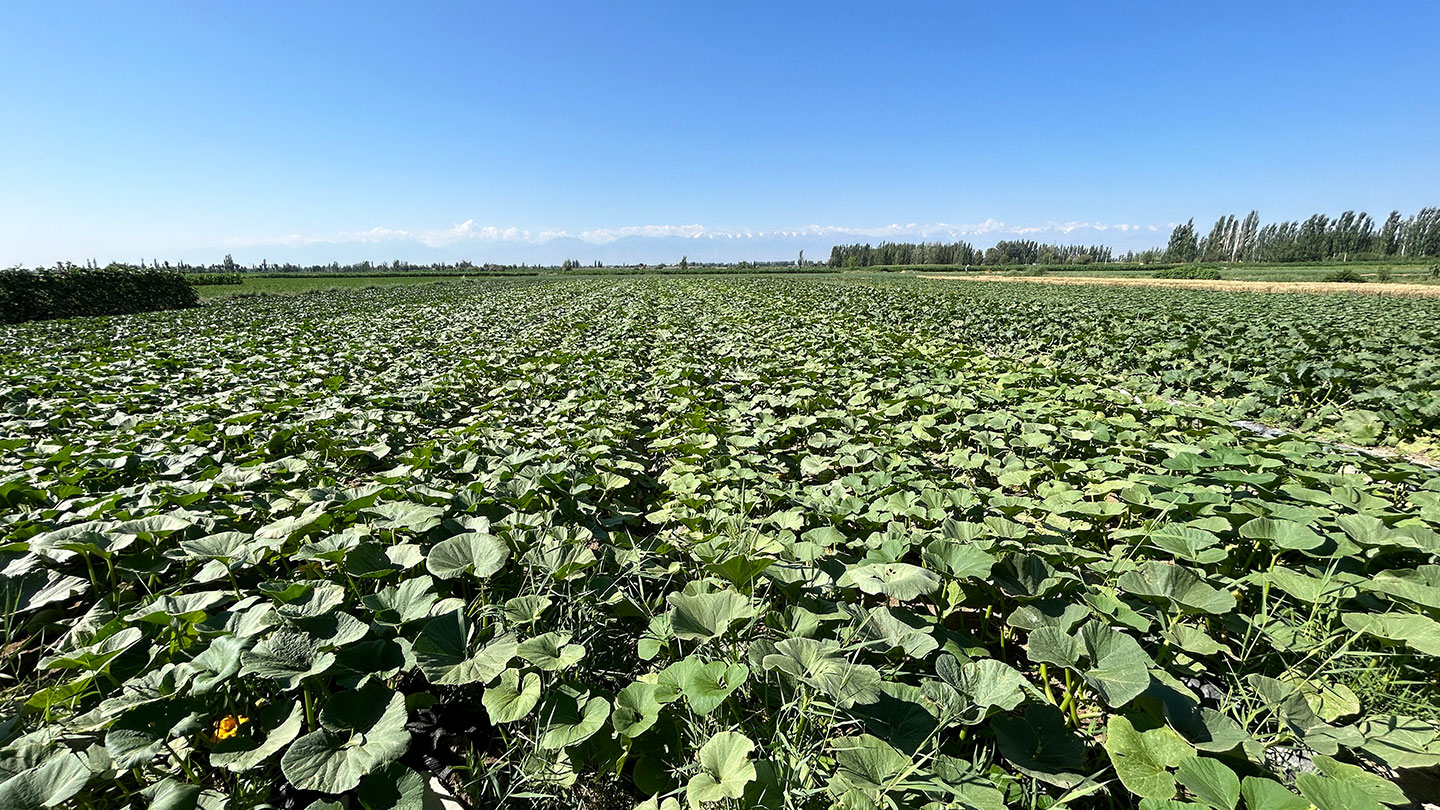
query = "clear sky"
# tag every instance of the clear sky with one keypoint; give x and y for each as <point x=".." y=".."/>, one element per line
<point x="192" y="129"/>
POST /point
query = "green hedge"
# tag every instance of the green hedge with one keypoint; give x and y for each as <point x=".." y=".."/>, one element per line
<point x="212" y="279"/>
<point x="1204" y="273"/>
<point x="32" y="295"/>
<point x="1347" y="276"/>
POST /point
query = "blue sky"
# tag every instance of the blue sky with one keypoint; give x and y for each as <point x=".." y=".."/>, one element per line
<point x="489" y="131"/>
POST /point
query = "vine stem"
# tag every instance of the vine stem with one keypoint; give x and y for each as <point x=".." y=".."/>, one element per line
<point x="1045" y="679"/>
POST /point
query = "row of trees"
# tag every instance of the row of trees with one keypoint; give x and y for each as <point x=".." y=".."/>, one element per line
<point x="1348" y="237"/>
<point x="229" y="265"/>
<point x="366" y="268"/>
<point x="229" y="268"/>
<point x="1015" y="252"/>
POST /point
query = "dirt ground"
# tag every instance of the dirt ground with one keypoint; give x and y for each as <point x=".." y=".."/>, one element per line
<point x="1363" y="288"/>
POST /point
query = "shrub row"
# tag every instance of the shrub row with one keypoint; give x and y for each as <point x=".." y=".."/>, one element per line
<point x="32" y="295"/>
<point x="1346" y="275"/>
<point x="1205" y="273"/>
<point x="212" y="279"/>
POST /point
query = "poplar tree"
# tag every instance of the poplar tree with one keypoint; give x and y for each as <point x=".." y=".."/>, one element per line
<point x="1183" y="246"/>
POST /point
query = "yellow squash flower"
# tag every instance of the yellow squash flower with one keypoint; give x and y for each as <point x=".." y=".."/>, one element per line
<point x="227" y="727"/>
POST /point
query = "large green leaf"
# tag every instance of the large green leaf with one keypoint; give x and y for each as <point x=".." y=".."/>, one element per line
<point x="310" y="600"/>
<point x="1040" y="745"/>
<point x="636" y="709"/>
<point x="822" y="666"/>
<point x="1401" y="742"/>
<point x="360" y="731"/>
<point x="899" y="581"/>
<point x="138" y="736"/>
<point x="704" y="616"/>
<point x="551" y="652"/>
<point x="1308" y="589"/>
<point x="1053" y="645"/>
<point x="1281" y="534"/>
<point x="184" y="608"/>
<point x="959" y="560"/>
<point x="36" y="589"/>
<point x="217" y="664"/>
<point x="1119" y="668"/>
<point x="1333" y="794"/>
<point x="570" y="717"/>
<point x="866" y="763"/>
<point x="1205" y="728"/>
<point x="670" y="681"/>
<point x="1189" y="543"/>
<point x="288" y="656"/>
<point x="1418" y="632"/>
<point x="482" y="555"/>
<point x="96" y="657"/>
<point x="406" y="602"/>
<point x="524" y="610"/>
<point x="707" y="687"/>
<point x="1145" y="761"/>
<point x="48" y="784"/>
<point x="1192" y="640"/>
<point x="512" y="697"/>
<point x="443" y="653"/>
<point x="394" y="787"/>
<point x="1178" y="586"/>
<point x="1377" y="787"/>
<point x="984" y="685"/>
<point x="911" y="637"/>
<point x="740" y="570"/>
<point x="1267" y="794"/>
<point x="1210" y="781"/>
<point x="1059" y="614"/>
<point x="725" y="769"/>
<point x="168" y="794"/>
<point x="1421" y="585"/>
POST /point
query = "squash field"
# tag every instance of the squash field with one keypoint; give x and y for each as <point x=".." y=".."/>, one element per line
<point x="723" y="542"/>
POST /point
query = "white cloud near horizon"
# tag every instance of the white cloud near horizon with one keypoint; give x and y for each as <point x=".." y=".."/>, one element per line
<point x="468" y="231"/>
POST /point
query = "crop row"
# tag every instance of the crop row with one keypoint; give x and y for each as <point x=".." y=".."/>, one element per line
<point x="1362" y="368"/>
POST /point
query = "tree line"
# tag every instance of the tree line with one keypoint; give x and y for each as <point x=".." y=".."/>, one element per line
<point x="228" y="267"/>
<point x="1013" y="252"/>
<point x="365" y="268"/>
<point x="1320" y="238"/>
<point x="1348" y="237"/>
